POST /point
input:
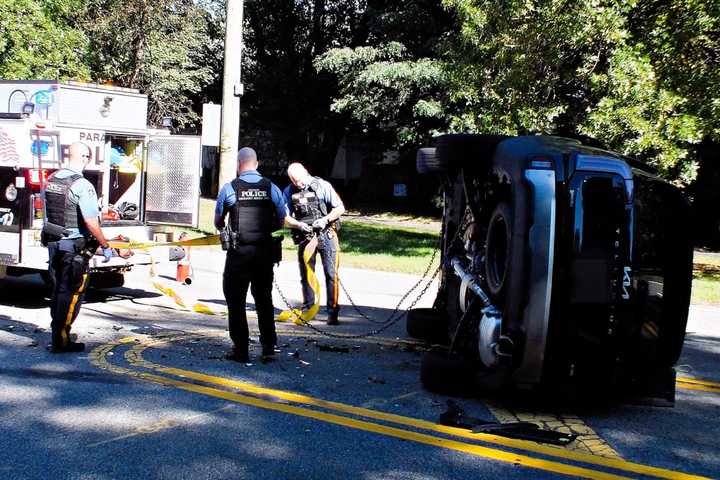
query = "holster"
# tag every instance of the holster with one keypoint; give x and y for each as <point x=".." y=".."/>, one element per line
<point x="276" y="250"/>
<point x="86" y="247"/>
<point x="52" y="233"/>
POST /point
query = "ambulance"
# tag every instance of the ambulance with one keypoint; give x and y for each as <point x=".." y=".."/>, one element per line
<point x="146" y="178"/>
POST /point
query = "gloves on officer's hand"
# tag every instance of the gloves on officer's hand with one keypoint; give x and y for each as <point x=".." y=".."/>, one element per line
<point x="107" y="253"/>
<point x="304" y="227"/>
<point x="320" y="223"/>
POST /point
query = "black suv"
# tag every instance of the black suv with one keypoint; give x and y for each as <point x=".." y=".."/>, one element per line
<point x="561" y="264"/>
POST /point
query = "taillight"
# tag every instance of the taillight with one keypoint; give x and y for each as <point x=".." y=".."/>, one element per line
<point x="36" y="177"/>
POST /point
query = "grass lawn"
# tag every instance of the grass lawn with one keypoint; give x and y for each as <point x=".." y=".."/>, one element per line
<point x="706" y="279"/>
<point x="374" y="246"/>
<point x="393" y="248"/>
<point x="380" y="247"/>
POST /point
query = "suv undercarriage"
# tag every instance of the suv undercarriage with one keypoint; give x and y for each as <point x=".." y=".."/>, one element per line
<point x="561" y="264"/>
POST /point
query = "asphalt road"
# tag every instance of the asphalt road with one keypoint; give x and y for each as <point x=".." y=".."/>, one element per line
<point x="152" y="397"/>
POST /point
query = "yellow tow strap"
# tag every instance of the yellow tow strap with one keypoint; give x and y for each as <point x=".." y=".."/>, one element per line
<point x="298" y="316"/>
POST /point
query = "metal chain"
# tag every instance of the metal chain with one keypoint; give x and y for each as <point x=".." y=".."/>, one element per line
<point x="397" y="307"/>
<point x="390" y="322"/>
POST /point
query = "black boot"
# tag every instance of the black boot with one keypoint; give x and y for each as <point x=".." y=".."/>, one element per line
<point x="268" y="353"/>
<point x="237" y="355"/>
<point x="332" y="318"/>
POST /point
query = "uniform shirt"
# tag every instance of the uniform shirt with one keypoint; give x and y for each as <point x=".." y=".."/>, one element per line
<point x="325" y="193"/>
<point x="83" y="194"/>
<point x="227" y="199"/>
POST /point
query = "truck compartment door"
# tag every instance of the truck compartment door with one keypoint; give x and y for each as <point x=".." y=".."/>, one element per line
<point x="11" y="198"/>
<point x="172" y="189"/>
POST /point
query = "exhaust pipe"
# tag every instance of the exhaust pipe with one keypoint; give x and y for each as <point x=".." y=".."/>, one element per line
<point x="490" y="339"/>
<point x="471" y="282"/>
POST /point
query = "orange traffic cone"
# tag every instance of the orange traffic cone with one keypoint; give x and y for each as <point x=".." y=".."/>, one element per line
<point x="182" y="274"/>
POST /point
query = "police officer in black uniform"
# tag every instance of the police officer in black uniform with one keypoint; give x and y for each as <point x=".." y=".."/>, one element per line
<point x="314" y="202"/>
<point x="256" y="209"/>
<point x="72" y="234"/>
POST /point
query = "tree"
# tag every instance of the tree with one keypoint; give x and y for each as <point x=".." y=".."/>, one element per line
<point x="519" y="67"/>
<point x="38" y="41"/>
<point x="154" y="46"/>
<point x="284" y="94"/>
<point x="382" y="89"/>
<point x="395" y="83"/>
<point x="639" y="117"/>
<point x="682" y="41"/>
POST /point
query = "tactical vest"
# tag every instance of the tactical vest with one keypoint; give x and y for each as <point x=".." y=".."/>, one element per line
<point x="307" y="206"/>
<point x="60" y="210"/>
<point x="253" y="217"/>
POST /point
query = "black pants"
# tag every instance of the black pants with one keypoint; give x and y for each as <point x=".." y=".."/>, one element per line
<point x="329" y="249"/>
<point x="249" y="266"/>
<point x="69" y="279"/>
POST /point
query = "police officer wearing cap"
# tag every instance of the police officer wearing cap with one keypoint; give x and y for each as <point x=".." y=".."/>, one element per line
<point x="72" y="234"/>
<point x="256" y="209"/>
<point x="314" y="202"/>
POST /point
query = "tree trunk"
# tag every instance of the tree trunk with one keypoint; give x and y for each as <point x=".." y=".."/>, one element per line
<point x="141" y="42"/>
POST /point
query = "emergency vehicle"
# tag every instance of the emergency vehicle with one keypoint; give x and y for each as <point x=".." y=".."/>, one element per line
<point x="145" y="178"/>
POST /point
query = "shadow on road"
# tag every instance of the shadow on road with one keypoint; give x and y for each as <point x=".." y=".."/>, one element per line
<point x="31" y="292"/>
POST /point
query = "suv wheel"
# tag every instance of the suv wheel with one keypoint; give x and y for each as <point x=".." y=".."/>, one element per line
<point x="497" y="250"/>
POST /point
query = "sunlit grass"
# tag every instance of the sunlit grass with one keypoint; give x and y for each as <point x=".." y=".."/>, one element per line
<point x="706" y="279"/>
<point x="408" y="250"/>
<point x="380" y="247"/>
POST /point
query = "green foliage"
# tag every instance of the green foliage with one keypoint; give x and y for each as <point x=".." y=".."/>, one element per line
<point x="642" y="77"/>
<point x="153" y="46"/>
<point x="682" y="40"/>
<point x="380" y="88"/>
<point x="525" y="66"/>
<point x="37" y="41"/>
<point x="641" y="118"/>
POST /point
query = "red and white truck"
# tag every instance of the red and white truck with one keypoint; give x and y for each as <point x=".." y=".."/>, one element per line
<point x="145" y="178"/>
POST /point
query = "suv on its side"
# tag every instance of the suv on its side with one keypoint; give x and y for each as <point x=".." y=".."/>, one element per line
<point x="561" y="264"/>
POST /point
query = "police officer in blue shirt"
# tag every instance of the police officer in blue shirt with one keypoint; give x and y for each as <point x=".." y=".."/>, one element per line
<point x="72" y="233"/>
<point x="256" y="209"/>
<point x="314" y="202"/>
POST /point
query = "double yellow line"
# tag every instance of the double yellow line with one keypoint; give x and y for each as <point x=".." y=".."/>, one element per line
<point x="689" y="383"/>
<point x="331" y="411"/>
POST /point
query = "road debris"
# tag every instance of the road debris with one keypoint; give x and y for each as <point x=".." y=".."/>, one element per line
<point x="455" y="416"/>
<point x="323" y="347"/>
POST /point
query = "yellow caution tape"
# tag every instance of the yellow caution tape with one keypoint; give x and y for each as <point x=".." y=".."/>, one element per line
<point x="170" y="293"/>
<point x="195" y="242"/>
<point x="298" y="316"/>
<point x="167" y="290"/>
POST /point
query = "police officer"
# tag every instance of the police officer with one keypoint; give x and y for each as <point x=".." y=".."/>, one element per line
<point x="256" y="209"/>
<point x="72" y="234"/>
<point x="314" y="202"/>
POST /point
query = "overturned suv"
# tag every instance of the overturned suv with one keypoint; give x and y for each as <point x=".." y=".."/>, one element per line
<point x="562" y="264"/>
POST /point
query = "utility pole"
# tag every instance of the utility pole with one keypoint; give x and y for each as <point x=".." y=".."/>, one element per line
<point x="232" y="91"/>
